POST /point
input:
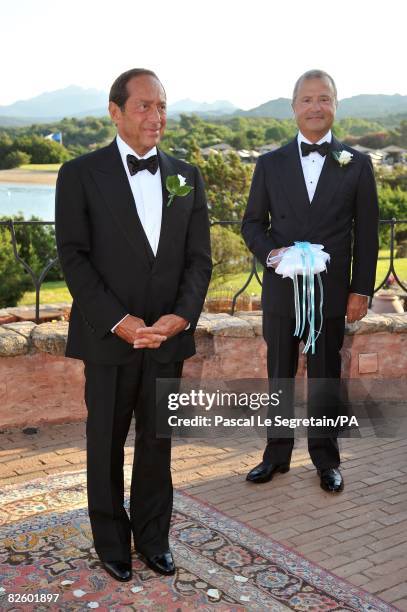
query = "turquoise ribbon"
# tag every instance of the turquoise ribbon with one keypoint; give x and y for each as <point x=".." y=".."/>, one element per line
<point x="306" y="310"/>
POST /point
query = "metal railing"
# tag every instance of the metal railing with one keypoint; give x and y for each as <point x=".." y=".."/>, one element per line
<point x="38" y="279"/>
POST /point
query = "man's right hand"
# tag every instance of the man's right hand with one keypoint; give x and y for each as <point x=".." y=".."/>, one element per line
<point x="277" y="253"/>
<point x="127" y="331"/>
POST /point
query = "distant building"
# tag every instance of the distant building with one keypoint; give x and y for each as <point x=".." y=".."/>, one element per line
<point x="224" y="147"/>
<point x="394" y="155"/>
<point x="221" y="147"/>
<point x="248" y="156"/>
<point x="376" y="155"/>
<point x="388" y="156"/>
<point x="179" y="152"/>
<point x="268" y="147"/>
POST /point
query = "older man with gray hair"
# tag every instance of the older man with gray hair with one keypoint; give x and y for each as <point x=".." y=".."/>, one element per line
<point x="313" y="190"/>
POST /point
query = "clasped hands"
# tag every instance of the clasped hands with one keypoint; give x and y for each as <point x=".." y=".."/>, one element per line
<point x="357" y="304"/>
<point x="134" y="331"/>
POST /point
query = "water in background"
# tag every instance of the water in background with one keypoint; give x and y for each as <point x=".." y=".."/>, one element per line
<point x="29" y="199"/>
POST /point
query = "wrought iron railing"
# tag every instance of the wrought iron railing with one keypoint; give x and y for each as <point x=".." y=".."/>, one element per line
<point x="38" y="279"/>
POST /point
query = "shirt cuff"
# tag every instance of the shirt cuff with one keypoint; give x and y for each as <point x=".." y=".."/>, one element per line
<point x="362" y="294"/>
<point x="187" y="327"/>
<point x="118" y="323"/>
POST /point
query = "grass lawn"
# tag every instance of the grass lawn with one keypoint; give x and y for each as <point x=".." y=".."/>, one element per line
<point x="41" y="167"/>
<point x="236" y="281"/>
<point x="56" y="291"/>
<point x="53" y="291"/>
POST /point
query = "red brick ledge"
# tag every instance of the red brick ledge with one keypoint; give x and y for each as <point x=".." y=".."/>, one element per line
<point x="38" y="384"/>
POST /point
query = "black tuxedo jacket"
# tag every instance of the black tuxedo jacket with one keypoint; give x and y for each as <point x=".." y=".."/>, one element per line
<point x="108" y="263"/>
<point x="343" y="216"/>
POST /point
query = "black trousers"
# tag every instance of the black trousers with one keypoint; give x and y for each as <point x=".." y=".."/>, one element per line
<point x="113" y="394"/>
<point x="282" y="363"/>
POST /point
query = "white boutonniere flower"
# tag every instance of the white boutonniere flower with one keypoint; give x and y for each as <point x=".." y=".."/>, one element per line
<point x="342" y="157"/>
<point x="176" y="185"/>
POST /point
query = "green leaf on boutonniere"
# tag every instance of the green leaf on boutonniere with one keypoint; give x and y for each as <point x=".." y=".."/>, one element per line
<point x="184" y="190"/>
<point x="176" y="186"/>
<point x="172" y="182"/>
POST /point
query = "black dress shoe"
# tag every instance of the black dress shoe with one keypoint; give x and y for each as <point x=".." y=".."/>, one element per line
<point x="162" y="564"/>
<point x="118" y="569"/>
<point x="264" y="472"/>
<point x="331" y="480"/>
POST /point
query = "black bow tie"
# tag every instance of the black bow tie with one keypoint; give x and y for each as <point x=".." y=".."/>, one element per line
<point x="322" y="148"/>
<point x="135" y="164"/>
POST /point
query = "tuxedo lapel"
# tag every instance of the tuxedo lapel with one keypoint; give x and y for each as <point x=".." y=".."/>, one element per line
<point x="329" y="181"/>
<point x="112" y="180"/>
<point x="293" y="182"/>
<point x="169" y="213"/>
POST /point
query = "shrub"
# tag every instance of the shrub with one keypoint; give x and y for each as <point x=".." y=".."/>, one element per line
<point x="14" y="159"/>
<point x="14" y="281"/>
<point x="229" y="253"/>
<point x="36" y="245"/>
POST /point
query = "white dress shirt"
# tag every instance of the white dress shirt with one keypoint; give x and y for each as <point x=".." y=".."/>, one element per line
<point x="147" y="193"/>
<point x="312" y="164"/>
<point x="148" y="197"/>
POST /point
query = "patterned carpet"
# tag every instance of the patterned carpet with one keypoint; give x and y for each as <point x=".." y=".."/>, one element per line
<point x="48" y="563"/>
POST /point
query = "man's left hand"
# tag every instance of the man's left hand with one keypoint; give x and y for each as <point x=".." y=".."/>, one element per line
<point x="168" y="325"/>
<point x="357" y="307"/>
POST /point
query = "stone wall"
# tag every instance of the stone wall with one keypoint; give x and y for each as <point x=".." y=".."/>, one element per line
<point x="38" y="384"/>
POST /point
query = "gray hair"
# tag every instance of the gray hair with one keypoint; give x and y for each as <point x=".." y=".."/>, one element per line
<point x="314" y="74"/>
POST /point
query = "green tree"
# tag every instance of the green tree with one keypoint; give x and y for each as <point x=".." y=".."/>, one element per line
<point x="13" y="279"/>
<point x="338" y="131"/>
<point x="377" y="140"/>
<point x="6" y="145"/>
<point x="392" y="204"/>
<point x="227" y="182"/>
<point x="358" y="127"/>
<point x="36" y="246"/>
<point x="275" y="133"/>
<point x="401" y="134"/>
<point x="41" y="150"/>
<point x="229" y="253"/>
<point x="239" y="141"/>
<point x="396" y="178"/>
<point x="255" y="136"/>
<point x="14" y="159"/>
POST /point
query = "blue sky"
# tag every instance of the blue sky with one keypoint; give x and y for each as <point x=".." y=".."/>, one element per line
<point x="245" y="51"/>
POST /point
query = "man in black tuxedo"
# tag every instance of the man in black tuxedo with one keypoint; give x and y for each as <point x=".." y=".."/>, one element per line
<point x="300" y="192"/>
<point x="138" y="270"/>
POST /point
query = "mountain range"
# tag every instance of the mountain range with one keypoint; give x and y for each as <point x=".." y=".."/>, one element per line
<point x="366" y="106"/>
<point x="74" y="101"/>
